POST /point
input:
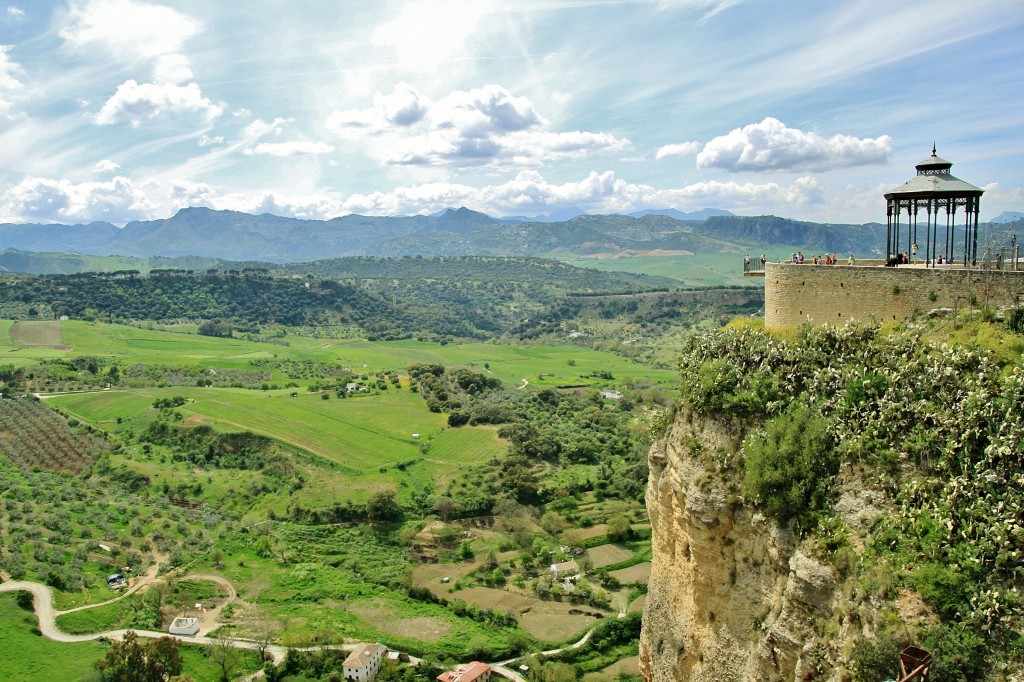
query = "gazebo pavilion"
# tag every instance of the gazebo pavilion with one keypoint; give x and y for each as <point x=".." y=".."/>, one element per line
<point x="933" y="192"/>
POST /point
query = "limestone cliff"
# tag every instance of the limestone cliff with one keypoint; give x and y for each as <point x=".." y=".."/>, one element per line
<point x="731" y="596"/>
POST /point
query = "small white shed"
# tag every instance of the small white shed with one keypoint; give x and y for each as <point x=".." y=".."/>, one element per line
<point x="184" y="627"/>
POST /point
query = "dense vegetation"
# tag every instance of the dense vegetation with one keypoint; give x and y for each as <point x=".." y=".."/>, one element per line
<point x="545" y="429"/>
<point x="181" y="482"/>
<point x="936" y="428"/>
<point x="379" y="298"/>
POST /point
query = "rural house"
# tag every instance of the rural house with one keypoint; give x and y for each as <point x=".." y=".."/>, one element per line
<point x="564" y="569"/>
<point x="469" y="672"/>
<point x="364" y="662"/>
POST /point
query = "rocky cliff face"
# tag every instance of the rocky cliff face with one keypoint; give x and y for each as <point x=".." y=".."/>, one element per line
<point x="731" y="596"/>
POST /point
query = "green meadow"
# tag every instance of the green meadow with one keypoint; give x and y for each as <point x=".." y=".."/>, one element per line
<point x="539" y="365"/>
<point x="26" y="656"/>
<point x="343" y="447"/>
<point x="705" y="270"/>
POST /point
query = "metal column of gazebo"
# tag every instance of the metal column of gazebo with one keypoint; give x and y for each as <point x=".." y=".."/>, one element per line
<point x="933" y="192"/>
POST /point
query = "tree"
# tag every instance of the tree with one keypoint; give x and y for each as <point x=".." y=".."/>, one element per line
<point x="618" y="528"/>
<point x="132" y="661"/>
<point x="264" y="630"/>
<point x="224" y="655"/>
<point x="383" y="506"/>
<point x="789" y="466"/>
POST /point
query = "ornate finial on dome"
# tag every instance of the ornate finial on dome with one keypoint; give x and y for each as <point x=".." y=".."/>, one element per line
<point x="933" y="149"/>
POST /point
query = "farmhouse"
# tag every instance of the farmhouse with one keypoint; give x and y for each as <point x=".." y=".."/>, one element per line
<point x="364" y="662"/>
<point x="565" y="569"/>
<point x="468" y="672"/>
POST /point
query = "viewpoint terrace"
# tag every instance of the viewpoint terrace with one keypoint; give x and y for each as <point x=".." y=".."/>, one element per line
<point x="932" y="262"/>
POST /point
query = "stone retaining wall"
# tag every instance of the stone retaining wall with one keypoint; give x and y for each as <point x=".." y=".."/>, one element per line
<point x="835" y="294"/>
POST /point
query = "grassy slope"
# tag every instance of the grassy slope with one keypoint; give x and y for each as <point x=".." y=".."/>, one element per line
<point x="701" y="270"/>
<point x="511" y="364"/>
<point x="30" y="657"/>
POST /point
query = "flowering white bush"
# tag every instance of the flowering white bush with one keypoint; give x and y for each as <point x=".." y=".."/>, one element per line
<point x="940" y="428"/>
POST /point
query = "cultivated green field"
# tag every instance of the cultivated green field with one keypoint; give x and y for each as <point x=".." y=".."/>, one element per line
<point x="360" y="435"/>
<point x="37" y="333"/>
<point x="539" y="365"/>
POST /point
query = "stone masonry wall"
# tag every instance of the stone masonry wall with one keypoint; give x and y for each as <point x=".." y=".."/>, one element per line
<point x="835" y="294"/>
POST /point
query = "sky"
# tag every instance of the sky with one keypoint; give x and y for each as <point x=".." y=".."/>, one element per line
<point x="122" y="110"/>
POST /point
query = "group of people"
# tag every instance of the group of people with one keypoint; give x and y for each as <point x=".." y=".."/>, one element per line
<point x="827" y="259"/>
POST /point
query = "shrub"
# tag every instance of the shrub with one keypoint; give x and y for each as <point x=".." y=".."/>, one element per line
<point x="1015" y="320"/>
<point x="789" y="466"/>
<point x="876" y="659"/>
<point x="959" y="653"/>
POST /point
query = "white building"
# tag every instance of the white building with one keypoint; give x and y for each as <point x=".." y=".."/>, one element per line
<point x="184" y="627"/>
<point x="364" y="662"/>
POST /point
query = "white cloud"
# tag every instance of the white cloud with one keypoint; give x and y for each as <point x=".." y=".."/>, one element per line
<point x="172" y="68"/>
<point x="681" y="149"/>
<point x="294" y="148"/>
<point x="479" y="127"/>
<point x="484" y="111"/>
<point x="528" y="193"/>
<point x="208" y="141"/>
<point x="259" y="127"/>
<point x="133" y="102"/>
<point x="127" y="29"/>
<point x="15" y="12"/>
<point x="10" y="82"/>
<point x="106" y="166"/>
<point x="403" y="107"/>
<point x="709" y="8"/>
<point x="770" y="145"/>
<point x="46" y="199"/>
<point x="421" y="36"/>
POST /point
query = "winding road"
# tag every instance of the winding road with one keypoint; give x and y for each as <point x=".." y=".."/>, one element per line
<point x="47" y="617"/>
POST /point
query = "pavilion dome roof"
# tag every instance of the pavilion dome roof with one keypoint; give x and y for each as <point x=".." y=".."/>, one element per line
<point x="933" y="177"/>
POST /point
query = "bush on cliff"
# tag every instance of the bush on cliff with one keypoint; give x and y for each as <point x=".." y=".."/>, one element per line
<point x="790" y="464"/>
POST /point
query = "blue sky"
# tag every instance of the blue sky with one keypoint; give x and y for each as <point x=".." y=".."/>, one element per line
<point x="122" y="110"/>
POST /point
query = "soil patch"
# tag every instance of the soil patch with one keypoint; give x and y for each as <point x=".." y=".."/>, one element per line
<point x="641" y="573"/>
<point x="380" y="615"/>
<point x="431" y="575"/>
<point x="552" y="622"/>
<point x="637" y="605"/>
<point x="606" y="555"/>
<point x="630" y="666"/>
<point x="38" y="334"/>
<point x="498" y="600"/>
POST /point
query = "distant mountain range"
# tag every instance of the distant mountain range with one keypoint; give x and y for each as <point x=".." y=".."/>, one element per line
<point x="1008" y="217"/>
<point x="233" y="236"/>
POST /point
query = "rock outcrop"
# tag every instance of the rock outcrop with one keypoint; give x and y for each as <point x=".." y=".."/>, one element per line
<point x="731" y="596"/>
